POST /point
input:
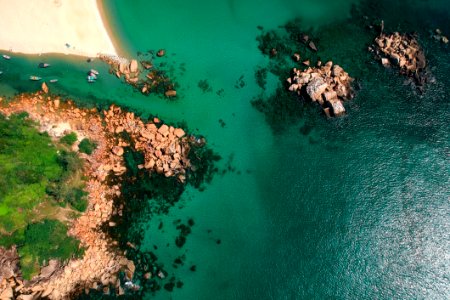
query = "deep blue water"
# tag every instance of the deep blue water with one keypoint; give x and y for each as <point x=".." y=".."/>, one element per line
<point x="350" y="208"/>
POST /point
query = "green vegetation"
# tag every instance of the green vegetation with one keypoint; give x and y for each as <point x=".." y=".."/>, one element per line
<point x="41" y="242"/>
<point x="28" y="163"/>
<point x="69" y="139"/>
<point x="37" y="179"/>
<point x="86" y="146"/>
<point x="69" y="187"/>
<point x="32" y="169"/>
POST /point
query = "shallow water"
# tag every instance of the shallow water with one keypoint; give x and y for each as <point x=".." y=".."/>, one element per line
<point x="356" y="207"/>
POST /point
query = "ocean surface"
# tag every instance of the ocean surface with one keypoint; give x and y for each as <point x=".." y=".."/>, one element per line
<point x="308" y="208"/>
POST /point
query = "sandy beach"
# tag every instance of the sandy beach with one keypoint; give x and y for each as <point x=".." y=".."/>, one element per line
<point x="54" y="26"/>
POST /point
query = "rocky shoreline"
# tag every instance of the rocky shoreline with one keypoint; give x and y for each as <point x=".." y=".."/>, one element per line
<point x="165" y="149"/>
<point x="328" y="85"/>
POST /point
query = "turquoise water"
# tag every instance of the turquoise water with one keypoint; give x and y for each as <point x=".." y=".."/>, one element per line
<point x="351" y="208"/>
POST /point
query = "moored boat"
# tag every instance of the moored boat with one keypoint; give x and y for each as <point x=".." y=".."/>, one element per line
<point x="35" y="78"/>
<point x="6" y="56"/>
<point x="91" y="78"/>
<point x="95" y="72"/>
<point x="44" y="65"/>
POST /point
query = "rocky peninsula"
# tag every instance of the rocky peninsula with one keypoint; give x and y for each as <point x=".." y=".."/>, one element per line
<point x="166" y="151"/>
<point x="328" y="85"/>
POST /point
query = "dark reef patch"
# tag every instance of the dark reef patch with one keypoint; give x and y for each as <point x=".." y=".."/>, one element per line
<point x="240" y="83"/>
<point x="205" y="86"/>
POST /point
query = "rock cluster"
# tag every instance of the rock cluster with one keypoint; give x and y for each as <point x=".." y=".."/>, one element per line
<point x="165" y="150"/>
<point x="329" y="85"/>
<point x="123" y="67"/>
<point x="402" y="50"/>
<point x="153" y="81"/>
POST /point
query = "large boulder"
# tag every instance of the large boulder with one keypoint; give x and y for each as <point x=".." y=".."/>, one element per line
<point x="337" y="107"/>
<point x="164" y="130"/>
<point x="133" y="66"/>
<point x="170" y="93"/>
<point x="337" y="70"/>
<point x="48" y="271"/>
<point x="44" y="88"/>
<point x="117" y="150"/>
<point x="7" y="293"/>
<point x="122" y="67"/>
<point x="315" y="88"/>
<point x="179" y="132"/>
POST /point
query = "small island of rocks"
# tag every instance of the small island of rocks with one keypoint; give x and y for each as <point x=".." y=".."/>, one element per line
<point x="328" y="85"/>
<point x="403" y="51"/>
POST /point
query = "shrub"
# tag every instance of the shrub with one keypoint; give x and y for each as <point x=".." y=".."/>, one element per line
<point x="86" y="146"/>
<point x="77" y="198"/>
<point x="69" y="139"/>
<point x="69" y="161"/>
<point x="45" y="241"/>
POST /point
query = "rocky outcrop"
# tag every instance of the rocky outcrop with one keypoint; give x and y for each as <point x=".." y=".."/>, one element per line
<point x="404" y="52"/>
<point x="153" y="81"/>
<point x="328" y="85"/>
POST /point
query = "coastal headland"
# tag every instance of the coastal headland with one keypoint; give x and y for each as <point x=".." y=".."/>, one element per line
<point x="165" y="150"/>
<point x="48" y="26"/>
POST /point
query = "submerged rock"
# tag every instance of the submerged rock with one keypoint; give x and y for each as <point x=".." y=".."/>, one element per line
<point x="312" y="46"/>
<point x="161" y="53"/>
<point x="170" y="93"/>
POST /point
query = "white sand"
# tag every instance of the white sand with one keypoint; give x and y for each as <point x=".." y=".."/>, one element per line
<point x="45" y="26"/>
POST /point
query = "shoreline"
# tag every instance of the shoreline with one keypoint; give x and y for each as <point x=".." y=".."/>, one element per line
<point x="121" y="51"/>
<point x="48" y="27"/>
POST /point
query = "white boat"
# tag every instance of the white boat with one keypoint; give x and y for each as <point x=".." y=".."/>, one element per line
<point x="35" y="78"/>
<point x="44" y="65"/>
<point x="1" y="72"/>
<point x="91" y="79"/>
<point x="95" y="72"/>
<point x="6" y="56"/>
<point x="53" y="80"/>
